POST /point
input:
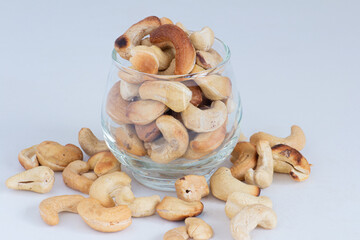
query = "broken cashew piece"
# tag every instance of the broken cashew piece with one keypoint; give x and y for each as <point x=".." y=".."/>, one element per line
<point x="90" y="143"/>
<point x="174" y="142"/>
<point x="244" y="157"/>
<point x="209" y="59"/>
<point x="191" y="188"/>
<point x="291" y="161"/>
<point x="203" y="40"/>
<point x="198" y="229"/>
<point x="296" y="139"/>
<point x="179" y="233"/>
<point x="144" y="206"/>
<point x="103" y="163"/>
<point x="27" y="158"/>
<point x="222" y="184"/>
<point x="39" y="179"/>
<point x="207" y="120"/>
<point x="215" y="87"/>
<point x="73" y="179"/>
<point x="249" y="218"/>
<point x="51" y="207"/>
<point x="128" y="141"/>
<point x="262" y="176"/>
<point x="104" y="219"/>
<point x="116" y="105"/>
<point x="174" y="209"/>
<point x="143" y="112"/>
<point x="132" y="37"/>
<point x="129" y="91"/>
<point x="184" y="50"/>
<point x="238" y="200"/>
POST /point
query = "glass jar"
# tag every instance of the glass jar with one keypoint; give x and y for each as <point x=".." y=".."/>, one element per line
<point x="209" y="135"/>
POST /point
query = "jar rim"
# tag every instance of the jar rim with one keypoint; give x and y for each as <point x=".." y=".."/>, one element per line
<point x="116" y="59"/>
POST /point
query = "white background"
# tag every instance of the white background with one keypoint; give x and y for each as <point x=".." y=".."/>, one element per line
<point x="296" y="62"/>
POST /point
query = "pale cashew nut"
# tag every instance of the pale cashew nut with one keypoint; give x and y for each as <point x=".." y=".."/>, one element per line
<point x="51" y="207"/>
<point x="90" y="143"/>
<point x="207" y="120"/>
<point x="230" y="104"/>
<point x="244" y="157"/>
<point x="198" y="229"/>
<point x="143" y="112"/>
<point x="289" y="160"/>
<point x="215" y="87"/>
<point x="175" y="95"/>
<point x="249" y="218"/>
<point x="208" y="141"/>
<point x="209" y="59"/>
<point x="73" y="179"/>
<point x="222" y="184"/>
<point x="132" y="37"/>
<point x="38" y="179"/>
<point x="185" y="53"/>
<point x="179" y="233"/>
<point x="165" y="20"/>
<point x="128" y="141"/>
<point x="180" y="25"/>
<point x="27" y="158"/>
<point x="144" y="206"/>
<point x="116" y="105"/>
<point x="129" y="91"/>
<point x="104" y="219"/>
<point x="148" y="132"/>
<point x="174" y="142"/>
<point x="174" y="209"/>
<point x="123" y="195"/>
<point x="238" y="200"/>
<point x="103" y="163"/>
<point x="57" y="156"/>
<point x="203" y="40"/>
<point x="296" y="139"/>
<point x="262" y="176"/>
<point x="150" y="59"/>
<point x="106" y="186"/>
<point x="191" y="188"/>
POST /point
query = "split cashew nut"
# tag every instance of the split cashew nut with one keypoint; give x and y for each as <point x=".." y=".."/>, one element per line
<point x="27" y="158"/>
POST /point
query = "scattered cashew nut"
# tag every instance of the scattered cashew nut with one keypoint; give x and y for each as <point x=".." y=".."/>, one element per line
<point x="73" y="179"/>
<point x="179" y="233"/>
<point x="244" y="157"/>
<point x="203" y="40"/>
<point x="144" y="206"/>
<point x="90" y="143"/>
<point x="198" y="229"/>
<point x="27" y="158"/>
<point x="103" y="163"/>
<point x="191" y="188"/>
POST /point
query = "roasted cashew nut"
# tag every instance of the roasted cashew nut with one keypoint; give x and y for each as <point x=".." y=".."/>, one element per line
<point x="51" y="207"/>
<point x="179" y="233"/>
<point x="128" y="141"/>
<point x="132" y="37"/>
<point x="90" y="175"/>
<point x="296" y="139"/>
<point x="103" y="163"/>
<point x="180" y="25"/>
<point x="144" y="206"/>
<point x="208" y="141"/>
<point x="116" y="105"/>
<point x="244" y="157"/>
<point x="27" y="158"/>
<point x="170" y="70"/>
<point x="222" y="184"/>
<point x="215" y="87"/>
<point x="198" y="229"/>
<point x="165" y="20"/>
<point x="174" y="209"/>
<point x="203" y="40"/>
<point x="148" y="132"/>
<point x="262" y="176"/>
<point x="104" y="219"/>
<point x="185" y="52"/>
<point x="197" y="69"/>
<point x="238" y="200"/>
<point x="196" y="98"/>
<point x="289" y="160"/>
<point x="38" y="179"/>
<point x="191" y="188"/>
<point x="207" y="120"/>
<point x="249" y="218"/>
<point x="143" y="112"/>
<point x="129" y="91"/>
<point x="90" y="143"/>
<point x="174" y="142"/>
<point x="209" y="59"/>
<point x="73" y="179"/>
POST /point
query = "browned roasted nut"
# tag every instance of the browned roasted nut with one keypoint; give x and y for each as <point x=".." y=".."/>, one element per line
<point x="244" y="157"/>
<point x="191" y="188"/>
<point x="196" y="98"/>
<point x="148" y="132"/>
<point x="116" y="105"/>
<point x="73" y="179"/>
<point x="104" y="163"/>
<point x="174" y="209"/>
<point x="27" y="158"/>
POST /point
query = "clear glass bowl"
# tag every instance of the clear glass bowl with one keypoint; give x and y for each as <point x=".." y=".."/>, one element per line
<point x="162" y="176"/>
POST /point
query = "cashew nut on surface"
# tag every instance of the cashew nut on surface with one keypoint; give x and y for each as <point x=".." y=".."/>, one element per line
<point x="179" y="233"/>
<point x="191" y="188"/>
<point x="222" y="184"/>
<point x="249" y="218"/>
<point x="89" y="143"/>
<point x="244" y="157"/>
<point x="103" y="163"/>
<point x="144" y="206"/>
<point x="51" y="207"/>
<point x="198" y="229"/>
<point x="203" y="40"/>
<point x="27" y="158"/>
<point x="73" y="179"/>
<point x="38" y="179"/>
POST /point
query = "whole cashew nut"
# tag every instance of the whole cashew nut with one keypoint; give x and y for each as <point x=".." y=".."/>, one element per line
<point x="249" y="218"/>
<point x="104" y="219"/>
<point x="215" y="87"/>
<point x="174" y="209"/>
<point x="222" y="184"/>
<point x="127" y="140"/>
<point x="144" y="206"/>
<point x="90" y="143"/>
<point x="132" y="37"/>
<point x="263" y="174"/>
<point x="27" y="158"/>
<point x="150" y="59"/>
<point x="198" y="229"/>
<point x="38" y="179"/>
<point x="103" y="163"/>
<point x="116" y="105"/>
<point x="143" y="112"/>
<point x="238" y="200"/>
<point x="51" y="207"/>
<point x="179" y="233"/>
<point x="208" y="141"/>
<point x="191" y="188"/>
<point x="203" y="40"/>
<point x="244" y="157"/>
<point x="148" y="132"/>
<point x="209" y="59"/>
<point x="296" y="139"/>
<point x="73" y="179"/>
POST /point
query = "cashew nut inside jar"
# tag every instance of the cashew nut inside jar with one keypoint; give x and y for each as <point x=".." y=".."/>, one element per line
<point x="172" y="105"/>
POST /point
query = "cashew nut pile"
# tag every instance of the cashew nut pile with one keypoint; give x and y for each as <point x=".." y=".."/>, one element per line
<point x="156" y="114"/>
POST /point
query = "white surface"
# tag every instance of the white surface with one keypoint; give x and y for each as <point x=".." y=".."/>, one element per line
<point x="296" y="62"/>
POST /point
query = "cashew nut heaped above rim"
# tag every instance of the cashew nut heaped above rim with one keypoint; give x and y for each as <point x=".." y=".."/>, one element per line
<point x="142" y="112"/>
<point x="132" y="37"/>
<point x="174" y="142"/>
<point x="203" y="40"/>
<point x="27" y="158"/>
<point x="73" y="179"/>
<point x="209" y="59"/>
<point x="185" y="52"/>
<point x="205" y="120"/>
<point x="151" y="54"/>
<point x="89" y="143"/>
<point x="215" y="87"/>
